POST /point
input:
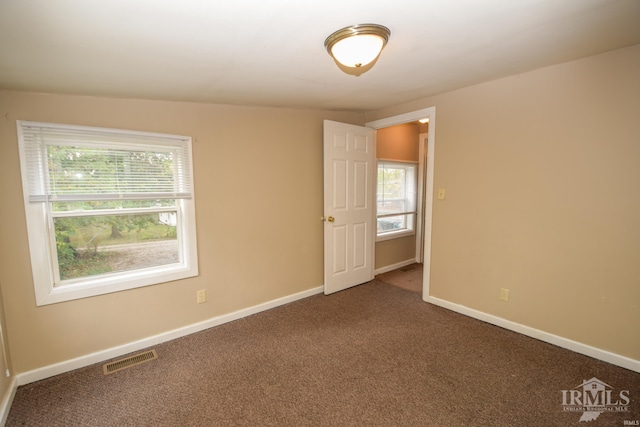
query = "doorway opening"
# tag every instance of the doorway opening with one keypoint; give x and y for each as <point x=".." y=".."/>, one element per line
<point x="422" y="264"/>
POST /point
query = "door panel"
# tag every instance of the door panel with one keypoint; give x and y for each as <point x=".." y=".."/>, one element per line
<point x="339" y="249"/>
<point x="339" y="185"/>
<point x="349" y="210"/>
<point x="360" y="187"/>
<point x="360" y="250"/>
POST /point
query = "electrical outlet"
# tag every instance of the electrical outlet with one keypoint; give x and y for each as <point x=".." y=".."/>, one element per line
<point x="201" y="296"/>
<point x="442" y="193"/>
<point x="504" y="294"/>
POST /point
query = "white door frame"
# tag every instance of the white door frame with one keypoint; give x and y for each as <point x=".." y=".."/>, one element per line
<point x="422" y="157"/>
<point x="428" y="207"/>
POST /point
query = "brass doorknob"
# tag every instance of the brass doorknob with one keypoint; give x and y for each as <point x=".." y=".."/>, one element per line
<point x="331" y="219"/>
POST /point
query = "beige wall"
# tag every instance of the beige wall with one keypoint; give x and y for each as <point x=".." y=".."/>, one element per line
<point x="542" y="172"/>
<point x="395" y="251"/>
<point x="258" y="204"/>
<point x="5" y="364"/>
<point x="399" y="142"/>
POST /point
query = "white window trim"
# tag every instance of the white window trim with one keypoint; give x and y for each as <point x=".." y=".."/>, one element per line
<point x="390" y="235"/>
<point x="39" y="230"/>
<point x="394" y="235"/>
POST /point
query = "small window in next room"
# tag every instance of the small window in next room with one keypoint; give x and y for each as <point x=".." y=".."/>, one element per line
<point x="106" y="209"/>
<point x="396" y="199"/>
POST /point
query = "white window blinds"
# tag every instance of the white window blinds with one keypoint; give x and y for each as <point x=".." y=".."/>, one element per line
<point x="73" y="163"/>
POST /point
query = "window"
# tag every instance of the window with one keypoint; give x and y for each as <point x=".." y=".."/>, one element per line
<point x="396" y="199"/>
<point x="107" y="210"/>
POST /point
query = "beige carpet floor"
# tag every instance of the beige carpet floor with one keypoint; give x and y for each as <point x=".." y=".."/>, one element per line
<point x="373" y="355"/>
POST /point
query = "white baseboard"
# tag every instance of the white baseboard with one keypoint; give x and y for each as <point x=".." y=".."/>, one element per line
<point x="100" y="356"/>
<point x="596" y="353"/>
<point x="7" y="399"/>
<point x="395" y="266"/>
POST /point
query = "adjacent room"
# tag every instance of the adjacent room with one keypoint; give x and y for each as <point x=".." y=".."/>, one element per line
<point x="226" y="214"/>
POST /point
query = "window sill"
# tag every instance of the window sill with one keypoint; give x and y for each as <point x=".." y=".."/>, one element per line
<point x="394" y="235"/>
<point x="91" y="287"/>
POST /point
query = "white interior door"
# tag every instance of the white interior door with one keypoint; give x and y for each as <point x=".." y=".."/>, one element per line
<point x="349" y="205"/>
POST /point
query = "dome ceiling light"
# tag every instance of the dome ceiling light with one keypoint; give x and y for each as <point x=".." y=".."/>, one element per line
<point x="358" y="45"/>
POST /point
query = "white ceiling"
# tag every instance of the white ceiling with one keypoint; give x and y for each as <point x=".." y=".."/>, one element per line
<point x="271" y="52"/>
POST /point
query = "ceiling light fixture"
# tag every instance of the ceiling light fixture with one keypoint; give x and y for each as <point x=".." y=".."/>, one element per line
<point x="423" y="121"/>
<point x="358" y="45"/>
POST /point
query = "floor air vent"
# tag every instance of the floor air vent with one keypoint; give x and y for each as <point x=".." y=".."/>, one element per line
<point x="130" y="361"/>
